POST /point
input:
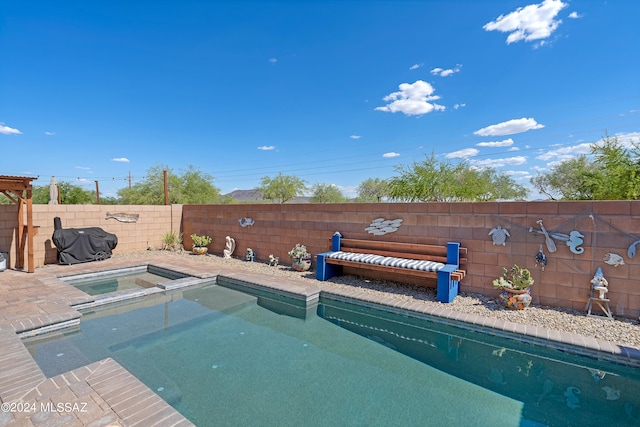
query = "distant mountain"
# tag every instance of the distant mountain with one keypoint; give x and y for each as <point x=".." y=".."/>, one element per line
<point x="246" y="195"/>
<point x="249" y="196"/>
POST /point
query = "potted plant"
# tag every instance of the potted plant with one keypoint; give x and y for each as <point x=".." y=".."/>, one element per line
<point x="515" y="285"/>
<point x="200" y="244"/>
<point x="301" y="258"/>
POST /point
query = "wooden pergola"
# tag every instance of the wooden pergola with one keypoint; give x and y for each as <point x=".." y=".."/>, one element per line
<point x="18" y="189"/>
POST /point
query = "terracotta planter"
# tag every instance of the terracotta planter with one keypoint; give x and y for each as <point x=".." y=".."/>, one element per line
<point x="301" y="264"/>
<point x="517" y="299"/>
<point x="200" y="250"/>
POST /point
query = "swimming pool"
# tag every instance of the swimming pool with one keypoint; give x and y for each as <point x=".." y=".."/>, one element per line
<point x="224" y="357"/>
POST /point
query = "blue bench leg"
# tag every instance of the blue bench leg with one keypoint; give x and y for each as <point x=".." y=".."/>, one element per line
<point x="326" y="271"/>
<point x="447" y="289"/>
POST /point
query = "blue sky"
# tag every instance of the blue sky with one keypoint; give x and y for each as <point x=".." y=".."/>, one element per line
<point x="334" y="92"/>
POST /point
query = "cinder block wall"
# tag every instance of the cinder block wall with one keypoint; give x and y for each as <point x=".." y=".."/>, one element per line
<point x="153" y="223"/>
<point x="606" y="226"/>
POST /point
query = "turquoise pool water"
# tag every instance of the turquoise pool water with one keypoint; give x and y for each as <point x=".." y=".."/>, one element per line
<point x="226" y="358"/>
<point x="119" y="280"/>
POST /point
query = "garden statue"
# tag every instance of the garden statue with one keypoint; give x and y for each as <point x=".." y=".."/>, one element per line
<point x="273" y="260"/>
<point x="600" y="284"/>
<point x="230" y="246"/>
<point x="250" y="256"/>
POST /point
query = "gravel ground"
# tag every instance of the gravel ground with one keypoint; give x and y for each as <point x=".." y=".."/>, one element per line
<point x="620" y="330"/>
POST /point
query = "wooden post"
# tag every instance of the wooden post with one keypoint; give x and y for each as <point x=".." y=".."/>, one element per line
<point x="20" y="242"/>
<point x="97" y="192"/>
<point x="31" y="231"/>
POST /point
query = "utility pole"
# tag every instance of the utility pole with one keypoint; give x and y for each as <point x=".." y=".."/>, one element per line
<point x="166" y="188"/>
<point x="97" y="192"/>
<point x="129" y="180"/>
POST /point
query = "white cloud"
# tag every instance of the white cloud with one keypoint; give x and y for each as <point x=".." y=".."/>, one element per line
<point x="456" y="106"/>
<point x="515" y="173"/>
<point x="574" y="15"/>
<point x="413" y="99"/>
<point x="513" y="149"/>
<point x="497" y="163"/>
<point x="559" y="155"/>
<point x="415" y="66"/>
<point x="50" y="133"/>
<point x="565" y="153"/>
<point x="273" y="60"/>
<point x="390" y="154"/>
<point x="266" y="147"/>
<point x="6" y="130"/>
<point x="120" y="159"/>
<point x="465" y="153"/>
<point x="355" y="137"/>
<point x="509" y="127"/>
<point x="627" y="139"/>
<point x="446" y="72"/>
<point x="504" y="143"/>
<point x="84" y="168"/>
<point x="532" y="22"/>
<point x="350" y="191"/>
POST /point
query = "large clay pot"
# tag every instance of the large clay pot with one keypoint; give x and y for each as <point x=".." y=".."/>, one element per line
<point x="517" y="299"/>
<point x="301" y="264"/>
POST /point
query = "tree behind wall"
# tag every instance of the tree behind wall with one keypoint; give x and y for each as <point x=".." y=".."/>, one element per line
<point x="610" y="172"/>
<point x="432" y="180"/>
<point x="327" y="193"/>
<point x="281" y="188"/>
<point x="191" y="187"/>
<point x="372" y="190"/>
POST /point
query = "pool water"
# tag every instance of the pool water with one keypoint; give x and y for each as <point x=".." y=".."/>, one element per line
<point x="226" y="358"/>
<point x="113" y="281"/>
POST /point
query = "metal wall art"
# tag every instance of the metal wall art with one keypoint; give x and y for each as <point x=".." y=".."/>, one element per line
<point x="573" y="240"/>
<point x="613" y="259"/>
<point x="123" y="217"/>
<point x="381" y="226"/>
<point x="631" y="252"/>
<point x="541" y="258"/>
<point x="246" y="221"/>
<point x="499" y="235"/>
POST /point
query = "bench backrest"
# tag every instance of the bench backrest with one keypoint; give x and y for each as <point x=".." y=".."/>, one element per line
<point x="437" y="253"/>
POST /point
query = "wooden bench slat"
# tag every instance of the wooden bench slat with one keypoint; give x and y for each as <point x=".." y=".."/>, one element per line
<point x="457" y="275"/>
<point x="399" y="270"/>
<point x="395" y="246"/>
<point x="425" y="257"/>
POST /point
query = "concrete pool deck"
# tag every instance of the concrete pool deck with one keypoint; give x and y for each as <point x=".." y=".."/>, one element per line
<point x="105" y="394"/>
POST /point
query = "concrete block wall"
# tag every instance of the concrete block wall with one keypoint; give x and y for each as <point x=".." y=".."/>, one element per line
<point x="153" y="223"/>
<point x="607" y="227"/>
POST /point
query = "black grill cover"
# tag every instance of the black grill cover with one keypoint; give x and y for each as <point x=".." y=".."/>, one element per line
<point x="76" y="245"/>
